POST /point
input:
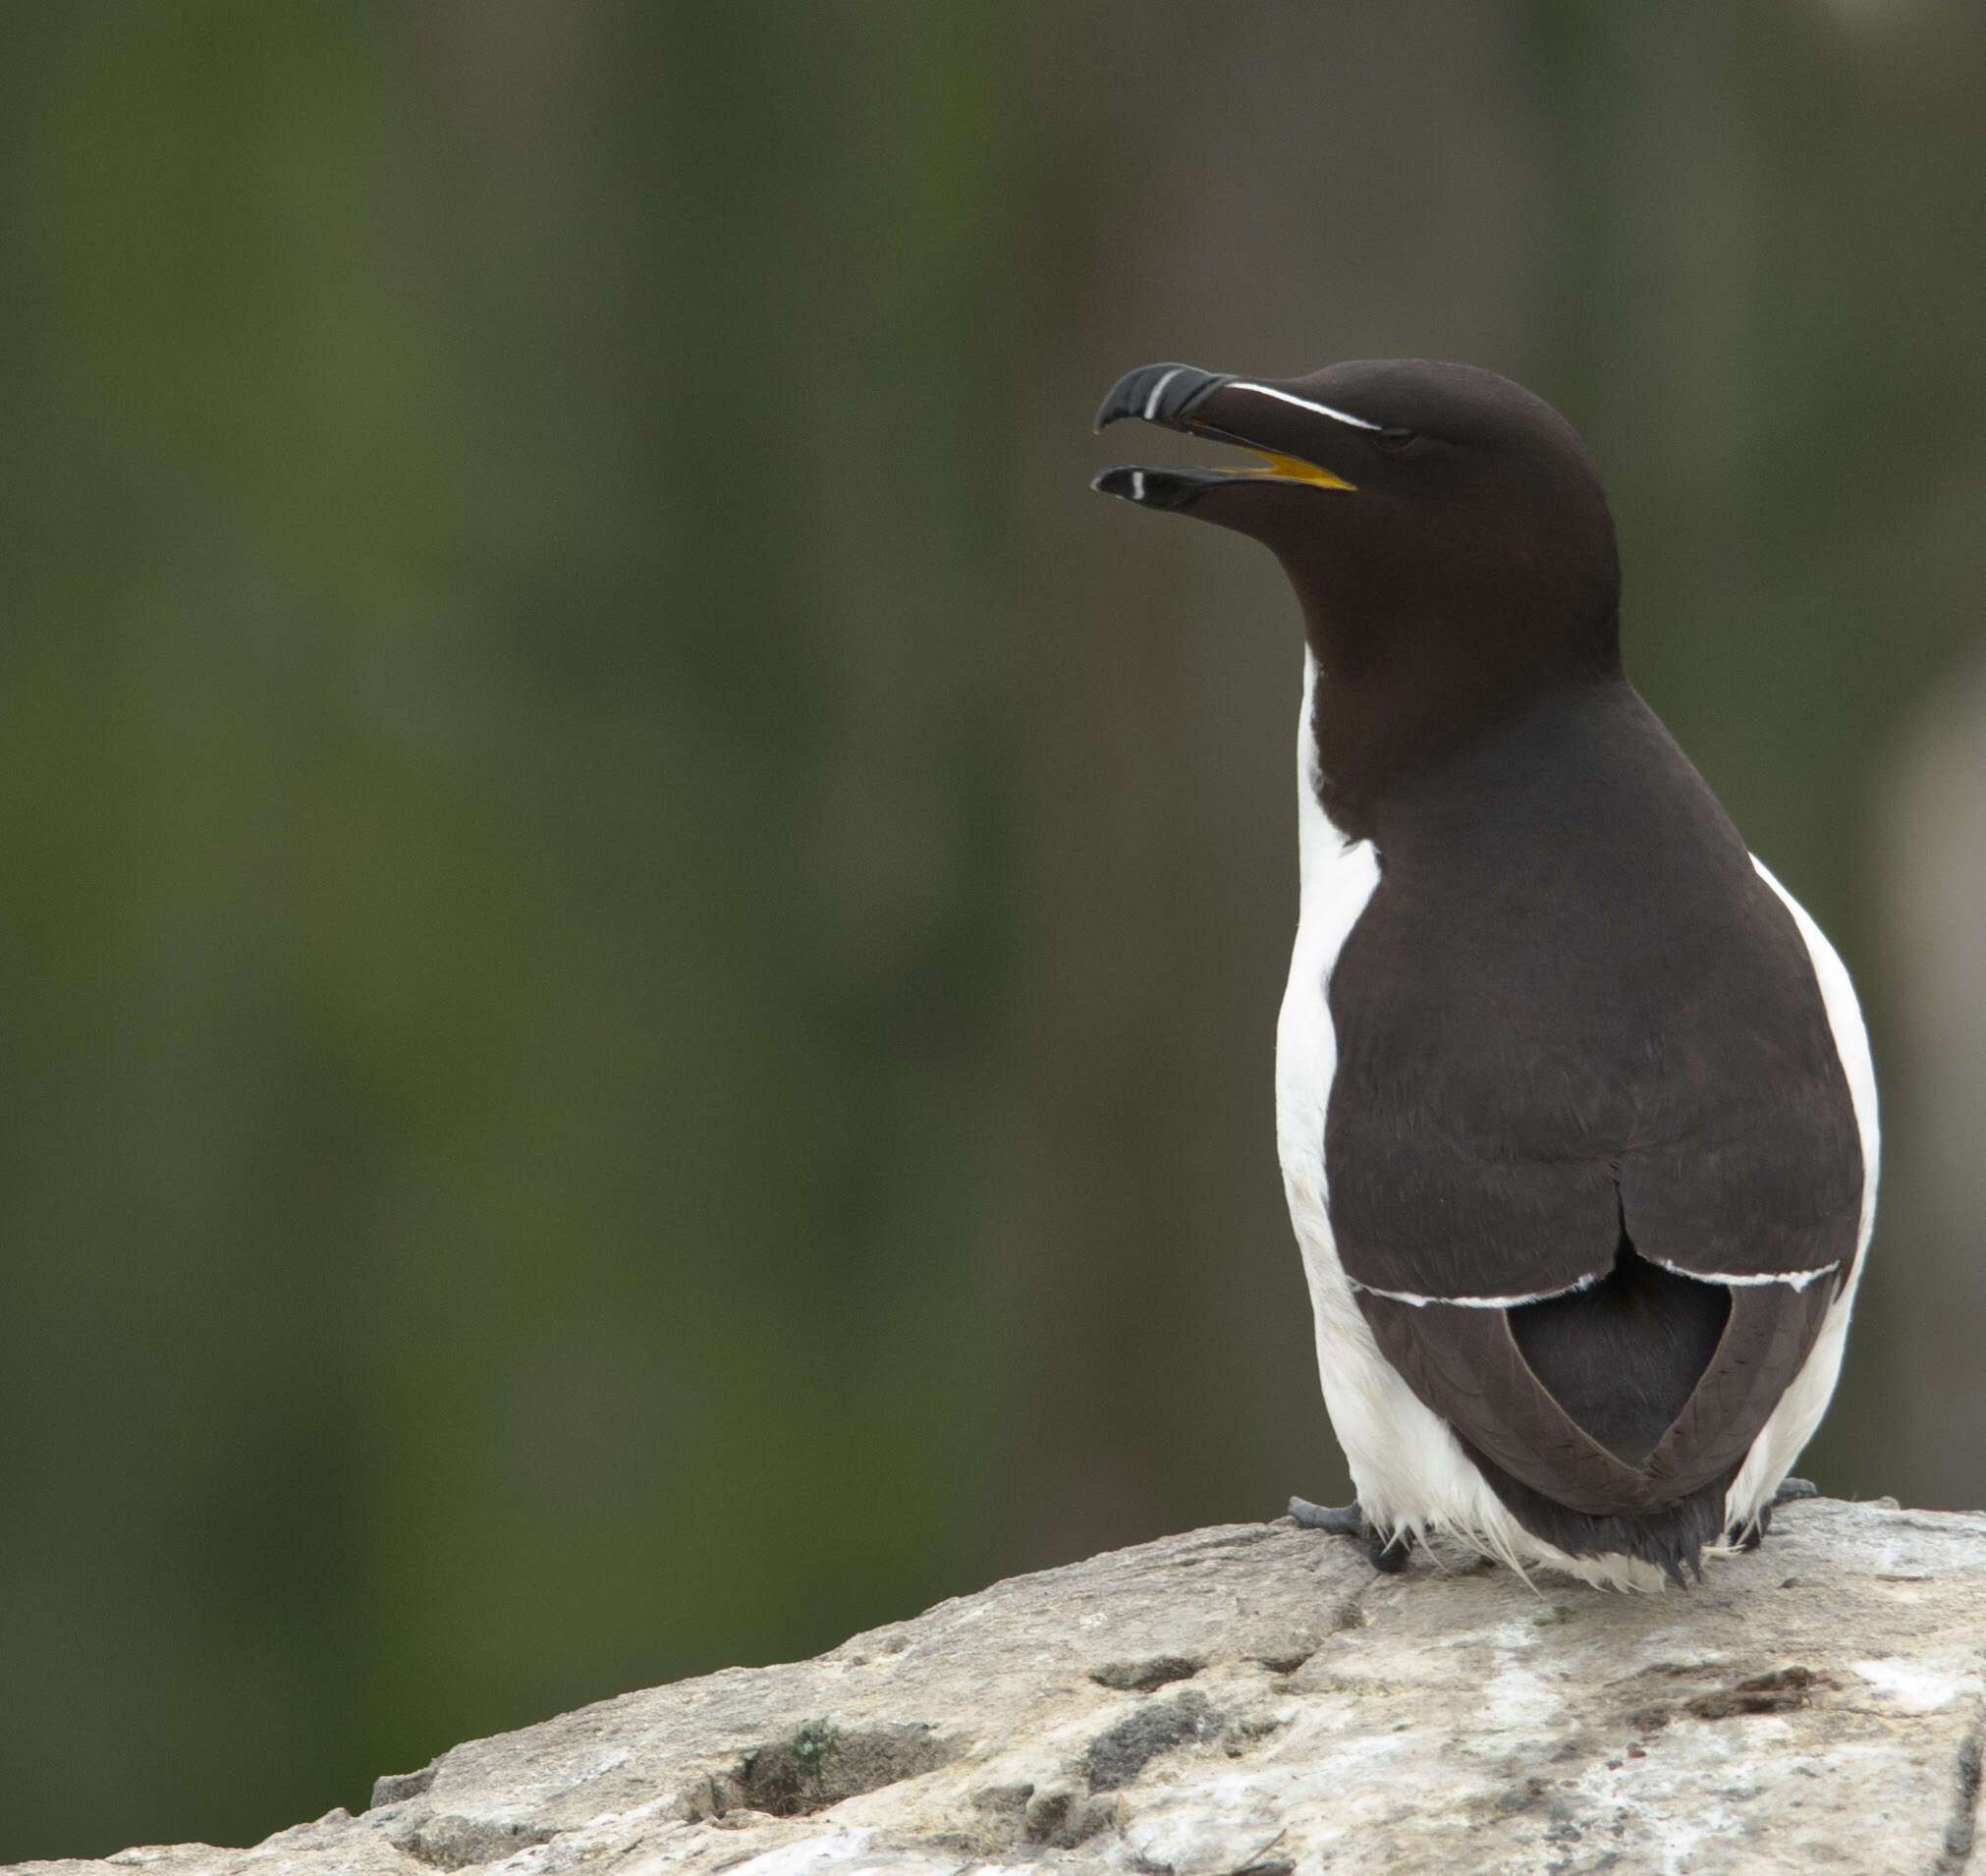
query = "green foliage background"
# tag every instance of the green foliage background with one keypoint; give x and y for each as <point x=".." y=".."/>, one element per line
<point x="638" y="949"/>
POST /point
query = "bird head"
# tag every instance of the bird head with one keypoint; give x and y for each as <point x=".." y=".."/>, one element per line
<point x="1436" y="520"/>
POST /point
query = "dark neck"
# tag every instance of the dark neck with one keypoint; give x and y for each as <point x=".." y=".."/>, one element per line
<point x="1380" y="728"/>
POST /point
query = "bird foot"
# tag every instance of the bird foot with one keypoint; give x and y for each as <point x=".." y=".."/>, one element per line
<point x="1389" y="1554"/>
<point x="1789" y="1491"/>
<point x="1756" y="1531"/>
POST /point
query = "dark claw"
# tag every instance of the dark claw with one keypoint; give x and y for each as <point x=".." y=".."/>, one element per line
<point x="1389" y="1554"/>
<point x="1789" y="1491"/>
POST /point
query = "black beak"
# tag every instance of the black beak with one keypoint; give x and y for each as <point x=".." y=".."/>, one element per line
<point x="1159" y="394"/>
<point x="1177" y="397"/>
<point x="1158" y="488"/>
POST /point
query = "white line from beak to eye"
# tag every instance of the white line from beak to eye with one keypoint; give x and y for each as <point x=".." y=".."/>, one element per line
<point x="1137" y="485"/>
<point x="1304" y="403"/>
<point x="1158" y="391"/>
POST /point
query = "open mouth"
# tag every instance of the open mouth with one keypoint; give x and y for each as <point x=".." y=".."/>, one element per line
<point x="1170" y="395"/>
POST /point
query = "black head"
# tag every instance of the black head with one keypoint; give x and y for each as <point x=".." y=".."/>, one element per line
<point x="1445" y="531"/>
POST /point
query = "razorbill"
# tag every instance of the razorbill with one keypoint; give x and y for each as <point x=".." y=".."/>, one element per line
<point x="1573" y="1102"/>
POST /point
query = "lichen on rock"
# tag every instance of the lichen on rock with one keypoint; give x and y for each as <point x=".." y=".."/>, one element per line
<point x="1256" y="1698"/>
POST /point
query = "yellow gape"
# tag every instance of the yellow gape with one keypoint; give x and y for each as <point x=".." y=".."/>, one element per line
<point x="1294" y="469"/>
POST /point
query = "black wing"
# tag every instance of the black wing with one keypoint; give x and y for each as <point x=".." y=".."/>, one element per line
<point x="1585" y="1070"/>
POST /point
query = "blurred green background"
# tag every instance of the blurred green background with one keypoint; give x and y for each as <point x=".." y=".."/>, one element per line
<point x="640" y="947"/>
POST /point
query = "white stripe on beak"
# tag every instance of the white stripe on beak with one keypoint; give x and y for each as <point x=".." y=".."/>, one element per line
<point x="1304" y="403"/>
<point x="1158" y="391"/>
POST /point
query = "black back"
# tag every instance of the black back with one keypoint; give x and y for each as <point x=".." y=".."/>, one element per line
<point x="1582" y="1050"/>
<point x="1572" y="1008"/>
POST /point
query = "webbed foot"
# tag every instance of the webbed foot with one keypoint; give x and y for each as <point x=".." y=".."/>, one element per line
<point x="1349" y="1520"/>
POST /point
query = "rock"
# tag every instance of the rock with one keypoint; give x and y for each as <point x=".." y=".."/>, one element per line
<point x="1257" y="1699"/>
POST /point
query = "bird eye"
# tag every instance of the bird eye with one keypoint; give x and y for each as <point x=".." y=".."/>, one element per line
<point x="1392" y="439"/>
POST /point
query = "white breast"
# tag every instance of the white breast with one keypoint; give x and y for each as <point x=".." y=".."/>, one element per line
<point x="1410" y="1470"/>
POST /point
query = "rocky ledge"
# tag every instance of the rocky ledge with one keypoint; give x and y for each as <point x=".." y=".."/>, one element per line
<point x="1257" y="1699"/>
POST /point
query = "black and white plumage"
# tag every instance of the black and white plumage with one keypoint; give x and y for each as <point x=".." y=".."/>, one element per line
<point x="1575" y="1104"/>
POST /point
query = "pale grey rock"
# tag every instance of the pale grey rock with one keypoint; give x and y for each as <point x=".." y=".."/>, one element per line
<point x="1257" y="1699"/>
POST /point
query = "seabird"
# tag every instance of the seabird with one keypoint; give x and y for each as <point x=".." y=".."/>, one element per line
<point x="1574" y="1101"/>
